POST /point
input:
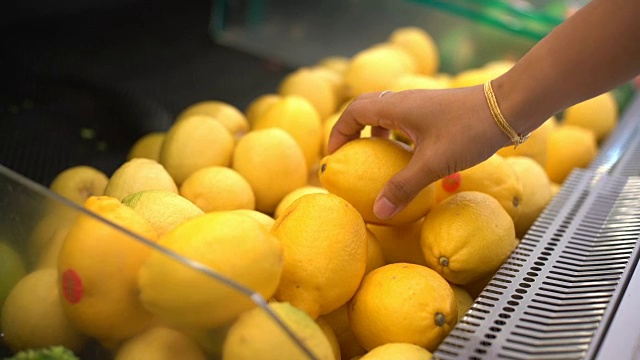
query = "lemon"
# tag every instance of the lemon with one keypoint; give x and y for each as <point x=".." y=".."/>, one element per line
<point x="314" y="87"/>
<point x="350" y="174"/>
<point x="263" y="219"/>
<point x="338" y="64"/>
<point x="325" y="253"/>
<point x="138" y="175"/>
<point x="598" y="114"/>
<point x="331" y="336"/>
<point x="12" y="269"/>
<point x="226" y="114"/>
<point x="195" y="142"/>
<point x="569" y="147"/>
<point x="257" y="336"/>
<point x="258" y="106"/>
<point x="339" y="322"/>
<point x="48" y="257"/>
<point x="376" y="68"/>
<point x="32" y="316"/>
<point x="273" y="164"/>
<point x="400" y="243"/>
<point x="555" y="189"/>
<point x="298" y="117"/>
<point x="467" y="237"/>
<point x="536" y="191"/>
<point x="294" y="195"/>
<point x="420" y="45"/>
<point x="160" y="343"/>
<point x="417" y="81"/>
<point x="97" y="268"/>
<point x="536" y="145"/>
<point x="233" y="245"/>
<point x="163" y="209"/>
<point x="375" y="258"/>
<point x="78" y="183"/>
<point x="216" y="188"/>
<point x="148" y="146"/>
<point x="336" y="79"/>
<point x="398" y="351"/>
<point x="463" y="300"/>
<point x="492" y="176"/>
<point x="405" y="303"/>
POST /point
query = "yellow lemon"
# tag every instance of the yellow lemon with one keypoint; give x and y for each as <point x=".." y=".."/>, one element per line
<point x="376" y="68"/>
<point x="336" y="79"/>
<point x="325" y="253"/>
<point x="294" y="195"/>
<point x="420" y="45"/>
<point x="256" y="335"/>
<point x="314" y="87"/>
<point x="569" y="147"/>
<point x="375" y="258"/>
<point x="234" y="246"/>
<point x="272" y="162"/>
<point x="160" y="343"/>
<point x="195" y="142"/>
<point x="402" y="303"/>
<point x="492" y="176"/>
<point x="216" y="188"/>
<point x="463" y="300"/>
<point x="467" y="237"/>
<point x="97" y="268"/>
<point x="139" y="174"/>
<point x="536" y="145"/>
<point x="12" y="269"/>
<point x="339" y="322"/>
<point x="536" y="191"/>
<point x="350" y="174"/>
<point x="598" y="114"/>
<point x="32" y="316"/>
<point x="263" y="219"/>
<point x="338" y="64"/>
<point x="148" y="146"/>
<point x="258" y="106"/>
<point x="470" y="77"/>
<point x="163" y="209"/>
<point x="297" y="116"/>
<point x="416" y="81"/>
<point x="226" y="114"/>
<point x="398" y="351"/>
<point x="78" y="183"/>
<point x="400" y="243"/>
<point x="331" y="336"/>
<point x="555" y="188"/>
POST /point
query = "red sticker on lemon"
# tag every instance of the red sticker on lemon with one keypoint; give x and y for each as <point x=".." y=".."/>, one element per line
<point x="71" y="286"/>
<point x="451" y="183"/>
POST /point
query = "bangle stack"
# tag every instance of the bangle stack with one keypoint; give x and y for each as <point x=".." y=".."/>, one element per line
<point x="502" y="123"/>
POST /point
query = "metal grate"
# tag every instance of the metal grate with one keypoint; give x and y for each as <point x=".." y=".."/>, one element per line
<point x="554" y="296"/>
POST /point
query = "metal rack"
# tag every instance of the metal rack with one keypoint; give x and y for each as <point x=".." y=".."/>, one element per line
<point x="571" y="288"/>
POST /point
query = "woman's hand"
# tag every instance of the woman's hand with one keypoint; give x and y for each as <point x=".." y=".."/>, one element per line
<point x="450" y="129"/>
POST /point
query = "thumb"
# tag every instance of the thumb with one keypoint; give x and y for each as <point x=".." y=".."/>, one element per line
<point x="403" y="187"/>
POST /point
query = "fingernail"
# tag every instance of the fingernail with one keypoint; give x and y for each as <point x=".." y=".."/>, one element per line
<point x="384" y="209"/>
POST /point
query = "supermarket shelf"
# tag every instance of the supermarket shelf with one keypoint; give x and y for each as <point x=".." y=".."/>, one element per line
<point x="570" y="289"/>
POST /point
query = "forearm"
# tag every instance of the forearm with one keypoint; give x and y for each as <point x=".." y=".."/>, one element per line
<point x="592" y="52"/>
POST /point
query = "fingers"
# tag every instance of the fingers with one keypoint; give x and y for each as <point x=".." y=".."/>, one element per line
<point x="363" y="111"/>
<point x="403" y="187"/>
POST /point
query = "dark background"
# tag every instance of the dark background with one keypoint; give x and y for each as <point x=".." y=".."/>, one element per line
<point x="80" y="81"/>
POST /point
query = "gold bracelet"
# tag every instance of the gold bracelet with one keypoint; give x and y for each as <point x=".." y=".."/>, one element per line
<point x="502" y="123"/>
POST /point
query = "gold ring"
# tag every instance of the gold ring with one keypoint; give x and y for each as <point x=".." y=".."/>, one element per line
<point x="385" y="93"/>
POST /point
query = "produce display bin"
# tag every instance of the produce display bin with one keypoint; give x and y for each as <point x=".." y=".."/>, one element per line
<point x="32" y="213"/>
<point x="303" y="32"/>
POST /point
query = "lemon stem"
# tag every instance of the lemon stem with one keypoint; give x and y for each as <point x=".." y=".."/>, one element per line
<point x="444" y="261"/>
<point x="440" y="319"/>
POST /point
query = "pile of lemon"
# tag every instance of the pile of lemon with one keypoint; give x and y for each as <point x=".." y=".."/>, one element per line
<point x="254" y="198"/>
